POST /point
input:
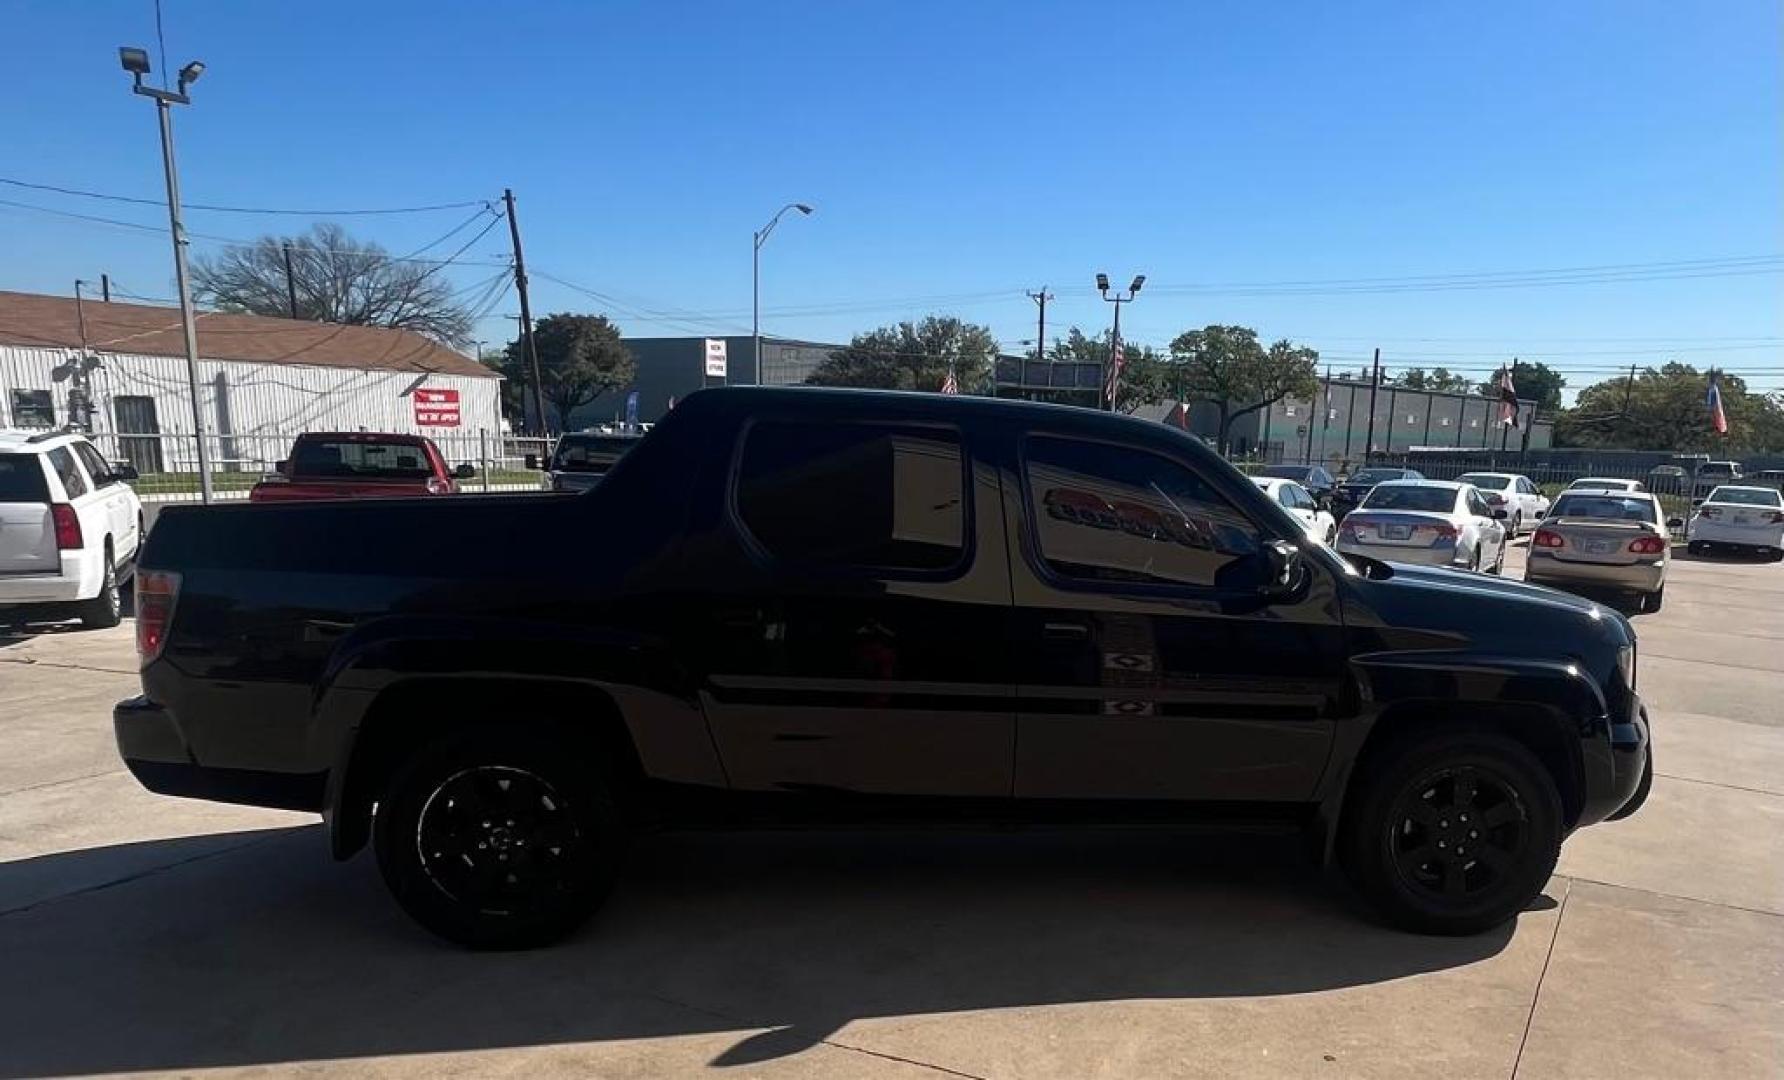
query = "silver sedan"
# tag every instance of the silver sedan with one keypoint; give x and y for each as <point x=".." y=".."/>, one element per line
<point x="1432" y="522"/>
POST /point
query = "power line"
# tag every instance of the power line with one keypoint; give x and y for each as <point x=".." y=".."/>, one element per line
<point x="216" y="209"/>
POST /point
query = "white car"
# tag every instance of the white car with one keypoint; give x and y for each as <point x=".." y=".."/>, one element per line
<point x="1432" y="522"/>
<point x="1738" y="518"/>
<point x="1321" y="526"/>
<point x="1605" y="483"/>
<point x="1523" y="502"/>
<point x="69" y="523"/>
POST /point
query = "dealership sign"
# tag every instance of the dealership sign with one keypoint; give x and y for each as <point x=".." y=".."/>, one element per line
<point x="715" y="358"/>
<point x="436" y="408"/>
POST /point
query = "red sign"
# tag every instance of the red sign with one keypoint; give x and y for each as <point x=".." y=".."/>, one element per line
<point x="436" y="408"/>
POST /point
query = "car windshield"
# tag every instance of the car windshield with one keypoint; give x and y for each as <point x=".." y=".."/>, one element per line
<point x="1744" y="496"/>
<point x="1421" y="497"/>
<point x="1607" y="507"/>
<point x="1377" y="476"/>
<point x="360" y="459"/>
<point x="586" y="453"/>
<point x="1493" y="481"/>
<point x="21" y="479"/>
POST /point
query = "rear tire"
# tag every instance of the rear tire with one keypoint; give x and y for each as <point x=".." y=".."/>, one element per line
<point x="1695" y="547"/>
<point x="1651" y="602"/>
<point x="1778" y="555"/>
<point x="107" y="609"/>
<point x="1453" y="833"/>
<point x="497" y="840"/>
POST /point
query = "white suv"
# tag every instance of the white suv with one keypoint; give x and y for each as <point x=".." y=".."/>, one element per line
<point x="68" y="522"/>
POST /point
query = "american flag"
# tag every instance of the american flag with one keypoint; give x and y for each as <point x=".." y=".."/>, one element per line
<point x="949" y="386"/>
<point x="1713" y="398"/>
<point x="1508" y="399"/>
<point x="1113" y="382"/>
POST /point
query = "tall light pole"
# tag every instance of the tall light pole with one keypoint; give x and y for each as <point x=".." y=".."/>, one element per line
<point x="136" y="62"/>
<point x="761" y="237"/>
<point x="1102" y="286"/>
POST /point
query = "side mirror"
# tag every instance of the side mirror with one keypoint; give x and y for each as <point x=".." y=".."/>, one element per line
<point x="532" y="461"/>
<point x="1540" y="513"/>
<point x="1500" y="515"/>
<point x="124" y="471"/>
<point x="1675" y="523"/>
<point x="283" y="468"/>
<point x="1282" y="569"/>
<point x="464" y="472"/>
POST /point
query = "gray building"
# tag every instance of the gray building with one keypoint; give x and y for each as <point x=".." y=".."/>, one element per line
<point x="671" y="368"/>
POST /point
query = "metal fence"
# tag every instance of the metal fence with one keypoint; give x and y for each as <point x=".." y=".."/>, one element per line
<point x="168" y="464"/>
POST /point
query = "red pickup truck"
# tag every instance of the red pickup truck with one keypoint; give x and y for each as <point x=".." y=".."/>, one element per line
<point x="359" y="464"/>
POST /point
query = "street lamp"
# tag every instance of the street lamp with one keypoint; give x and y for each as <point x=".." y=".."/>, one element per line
<point x="136" y="62"/>
<point x="1133" y="290"/>
<point x="761" y="237"/>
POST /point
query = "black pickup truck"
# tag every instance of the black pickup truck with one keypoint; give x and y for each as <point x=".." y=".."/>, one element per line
<point x="802" y="605"/>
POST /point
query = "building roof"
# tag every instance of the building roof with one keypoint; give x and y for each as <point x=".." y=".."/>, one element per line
<point x="35" y="321"/>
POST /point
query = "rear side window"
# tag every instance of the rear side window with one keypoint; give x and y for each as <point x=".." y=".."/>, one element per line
<point x="854" y="496"/>
<point x="1113" y="514"/>
<point x="21" y="479"/>
<point x="63" y="462"/>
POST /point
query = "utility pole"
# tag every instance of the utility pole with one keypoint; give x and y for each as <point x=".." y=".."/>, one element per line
<point x="526" y="315"/>
<point x="290" y="283"/>
<point x="1374" y="384"/>
<point x="105" y="288"/>
<point x="1040" y="334"/>
<point x="1628" y="389"/>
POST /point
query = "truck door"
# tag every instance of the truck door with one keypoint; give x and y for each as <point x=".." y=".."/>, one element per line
<point x="1150" y="667"/>
<point x="858" y="644"/>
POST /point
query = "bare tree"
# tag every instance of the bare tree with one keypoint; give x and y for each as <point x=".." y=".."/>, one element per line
<point x="338" y="279"/>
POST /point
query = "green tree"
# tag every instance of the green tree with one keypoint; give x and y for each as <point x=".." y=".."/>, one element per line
<point x="581" y="357"/>
<point x="1146" y="377"/>
<point x="1533" y="381"/>
<point x="1440" y="380"/>
<point x="1229" y="367"/>
<point x="1664" y="409"/>
<point x="913" y="356"/>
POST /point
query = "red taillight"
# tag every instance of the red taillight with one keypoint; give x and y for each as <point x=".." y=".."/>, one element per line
<point x="156" y="591"/>
<point x="1776" y="517"/>
<point x="1438" y="532"/>
<point x="68" y="527"/>
<point x="1647" y="545"/>
<point x="1495" y="499"/>
<point x="1546" y="538"/>
<point x="1707" y="511"/>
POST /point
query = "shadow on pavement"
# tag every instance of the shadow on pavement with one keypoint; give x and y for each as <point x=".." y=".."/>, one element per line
<point x="256" y="950"/>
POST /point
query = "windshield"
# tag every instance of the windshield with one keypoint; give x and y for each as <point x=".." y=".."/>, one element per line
<point x="21" y="479"/>
<point x="1744" y="496"/>
<point x="1493" y="481"/>
<point x="1608" y="507"/>
<point x="1420" y="497"/>
<point x="1376" y="476"/>
<point x="357" y="459"/>
<point x="590" y="453"/>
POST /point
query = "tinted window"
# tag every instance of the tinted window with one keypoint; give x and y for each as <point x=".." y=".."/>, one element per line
<point x="96" y="466"/>
<point x="1411" y="497"/>
<point x="21" y="479"/>
<point x="1610" y="507"/>
<point x="1478" y="506"/>
<point x="1744" y="496"/>
<point x="33" y="409"/>
<point x="590" y="453"/>
<point x="350" y="459"/>
<point x="1108" y="513"/>
<point x="63" y="462"/>
<point x="854" y="495"/>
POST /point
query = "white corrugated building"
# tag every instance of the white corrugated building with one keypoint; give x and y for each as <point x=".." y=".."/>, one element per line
<point x="262" y="381"/>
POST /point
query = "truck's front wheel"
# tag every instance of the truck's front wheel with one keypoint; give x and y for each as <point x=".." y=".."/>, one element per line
<point x="498" y="841"/>
<point x="1454" y="833"/>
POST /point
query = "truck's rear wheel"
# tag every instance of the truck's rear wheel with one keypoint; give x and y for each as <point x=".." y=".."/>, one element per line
<point x="1453" y="834"/>
<point x="498" y="841"/>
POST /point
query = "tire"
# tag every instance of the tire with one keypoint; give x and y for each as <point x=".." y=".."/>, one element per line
<point x="107" y="609"/>
<point x="1695" y="547"/>
<point x="1651" y="602"/>
<point x="1405" y="831"/>
<point x="1778" y="555"/>
<point x="1498" y="566"/>
<point x="1517" y="526"/>
<point x="565" y="846"/>
<point x="1474" y="559"/>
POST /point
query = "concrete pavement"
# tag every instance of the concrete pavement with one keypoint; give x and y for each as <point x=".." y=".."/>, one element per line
<point x="147" y="934"/>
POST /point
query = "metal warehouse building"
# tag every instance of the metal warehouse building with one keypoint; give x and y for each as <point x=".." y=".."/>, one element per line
<point x="119" y="370"/>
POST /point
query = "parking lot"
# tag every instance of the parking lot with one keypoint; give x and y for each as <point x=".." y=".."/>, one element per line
<point x="142" y="933"/>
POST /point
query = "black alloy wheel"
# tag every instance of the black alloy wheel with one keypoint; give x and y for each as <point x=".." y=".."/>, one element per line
<point x="497" y="838"/>
<point x="1455" y="833"/>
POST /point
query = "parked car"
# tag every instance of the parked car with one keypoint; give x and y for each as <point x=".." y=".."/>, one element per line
<point x="1667" y="480"/>
<point x="582" y="458"/>
<point x="1602" y="539"/>
<point x="1738" y="518"/>
<point x="358" y="465"/>
<point x="1710" y="474"/>
<point x="1605" y="483"/>
<point x="1350" y="490"/>
<point x="1314" y="478"/>
<point x="818" y="605"/>
<point x="70" y="527"/>
<point x="1430" y="522"/>
<point x="1769" y="478"/>
<point x="1523" y="502"/>
<point x="1298" y="501"/>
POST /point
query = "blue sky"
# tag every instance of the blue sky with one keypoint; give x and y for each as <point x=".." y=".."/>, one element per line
<point x="958" y="153"/>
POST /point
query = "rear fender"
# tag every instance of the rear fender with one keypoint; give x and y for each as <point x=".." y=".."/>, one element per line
<point x="653" y="694"/>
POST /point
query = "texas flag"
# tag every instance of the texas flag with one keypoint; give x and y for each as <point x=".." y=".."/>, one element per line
<point x="1718" y="418"/>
